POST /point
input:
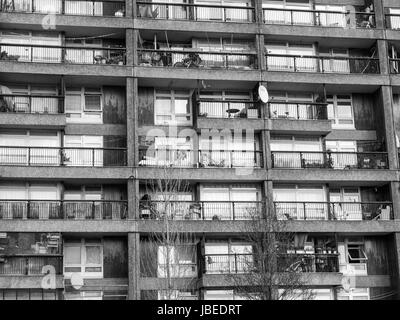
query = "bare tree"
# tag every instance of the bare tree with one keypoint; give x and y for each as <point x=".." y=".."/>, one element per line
<point x="268" y="272"/>
<point x="168" y="253"/>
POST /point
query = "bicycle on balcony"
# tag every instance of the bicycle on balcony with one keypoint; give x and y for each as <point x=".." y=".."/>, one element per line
<point x="193" y="60"/>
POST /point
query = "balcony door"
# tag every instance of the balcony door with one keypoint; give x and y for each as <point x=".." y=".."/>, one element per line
<point x="331" y="18"/>
<point x="26" y="53"/>
<point x="44" y="209"/>
<point x="346" y="156"/>
<point x="335" y="60"/>
<point x="45" y="153"/>
<point x="285" y="16"/>
<point x="295" y="57"/>
<point x="395" y="20"/>
<point x="83" y="203"/>
<point x="173" y="11"/>
<point x="83" y="8"/>
<point x="291" y="105"/>
<point x="300" y="203"/>
<point x="345" y="203"/>
<point x="83" y="151"/>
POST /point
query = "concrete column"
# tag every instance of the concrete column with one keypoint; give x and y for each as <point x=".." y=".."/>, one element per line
<point x="383" y="53"/>
<point x="134" y="266"/>
<point x="258" y="11"/>
<point x="131" y="45"/>
<point x="132" y="121"/>
<point x="260" y="52"/>
<point x="390" y="132"/>
<point x="133" y="198"/>
<point x="379" y="14"/>
<point x="396" y="245"/>
<point x="129" y="5"/>
<point x="266" y="148"/>
<point x="269" y="198"/>
<point x="395" y="196"/>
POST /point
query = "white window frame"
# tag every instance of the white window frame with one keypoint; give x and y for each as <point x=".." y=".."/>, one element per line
<point x="84" y="115"/>
<point x="335" y="119"/>
<point x="178" y="268"/>
<point x="172" y="95"/>
<point x="82" y="243"/>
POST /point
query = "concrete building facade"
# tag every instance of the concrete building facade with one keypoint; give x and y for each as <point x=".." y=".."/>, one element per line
<point x="99" y="98"/>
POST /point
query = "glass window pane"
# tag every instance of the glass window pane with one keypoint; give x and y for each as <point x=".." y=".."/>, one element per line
<point x="93" y="255"/>
<point x="72" y="255"/>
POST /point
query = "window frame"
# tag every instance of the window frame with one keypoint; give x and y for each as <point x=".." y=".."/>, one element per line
<point x="173" y="95"/>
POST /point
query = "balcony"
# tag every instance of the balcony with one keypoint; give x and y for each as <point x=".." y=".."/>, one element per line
<point x="201" y="210"/>
<point x="315" y="262"/>
<point x="23" y="103"/>
<point x="63" y="209"/>
<point x="183" y="158"/>
<point x="55" y="156"/>
<point x="319" y="18"/>
<point x="232" y="109"/>
<point x="321" y="64"/>
<point x="192" y="58"/>
<point x="98" y="8"/>
<point x="345" y="211"/>
<point x="297" y="110"/>
<point x="28" y="265"/>
<point x="62" y="54"/>
<point x="329" y="160"/>
<point x="392" y="21"/>
<point x="228" y="263"/>
<point x="195" y="12"/>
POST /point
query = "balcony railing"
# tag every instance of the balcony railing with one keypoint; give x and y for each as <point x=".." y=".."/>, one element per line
<point x="201" y="210"/>
<point x="321" y="64"/>
<point x="212" y="108"/>
<point x="298" y="110"/>
<point x="29" y="265"/>
<point x="392" y="21"/>
<point x="195" y="12"/>
<point x="330" y="160"/>
<point x="62" y="54"/>
<point x="63" y="209"/>
<point x="315" y="262"/>
<point x="192" y="58"/>
<point x="334" y="210"/>
<point x="228" y="263"/>
<point x="53" y="156"/>
<point x="24" y="103"/>
<point x="319" y="18"/>
<point x="99" y="8"/>
<point x="394" y="65"/>
<point x="230" y="159"/>
<point x="207" y="158"/>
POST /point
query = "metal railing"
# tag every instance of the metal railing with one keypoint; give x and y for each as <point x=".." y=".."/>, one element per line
<point x="63" y="209"/>
<point x="212" y="108"/>
<point x="201" y="210"/>
<point x="195" y="12"/>
<point x="392" y="21"/>
<point x="333" y="210"/>
<point x="100" y="8"/>
<point x="314" y="262"/>
<point x="24" y="103"/>
<point x="230" y="159"/>
<point x="322" y="64"/>
<point x="55" y="156"/>
<point x="28" y="264"/>
<point x="166" y="158"/>
<point x="298" y="110"/>
<point x="192" y="58"/>
<point x="228" y="263"/>
<point x="319" y="18"/>
<point x="330" y="160"/>
<point x="62" y="54"/>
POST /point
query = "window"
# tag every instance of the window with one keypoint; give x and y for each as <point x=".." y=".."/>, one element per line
<point x="330" y="64"/>
<point x="287" y="62"/>
<point x="84" y="104"/>
<point x="83" y="256"/>
<point x="38" y="54"/>
<point x="331" y="19"/>
<point x="395" y="19"/>
<point x="84" y="295"/>
<point x="218" y="14"/>
<point x="182" y="261"/>
<point x="356" y="254"/>
<point x="344" y="155"/>
<point x="177" y="295"/>
<point x="173" y="107"/>
<point x="285" y="16"/>
<point x="340" y="110"/>
<point x="294" y="106"/>
<point x="83" y="150"/>
<point x="81" y="56"/>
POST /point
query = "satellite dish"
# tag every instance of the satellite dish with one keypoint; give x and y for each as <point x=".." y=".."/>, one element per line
<point x="263" y="93"/>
